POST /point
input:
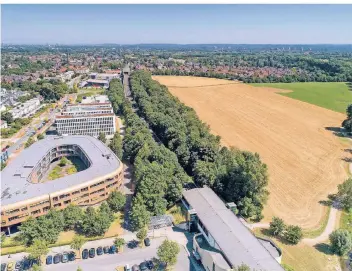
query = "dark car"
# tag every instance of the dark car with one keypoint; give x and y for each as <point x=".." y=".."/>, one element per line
<point x="143" y="266"/>
<point x="57" y="258"/>
<point x="71" y="256"/>
<point x="135" y="268"/>
<point x="49" y="260"/>
<point x="106" y="250"/>
<point x="3" y="266"/>
<point x="147" y="242"/>
<point x="85" y="254"/>
<point x="113" y="249"/>
<point x="92" y="253"/>
<point x="100" y="251"/>
<point x="150" y="265"/>
<point x="64" y="257"/>
<point x="26" y="263"/>
<point x="18" y="265"/>
<point x="132" y="244"/>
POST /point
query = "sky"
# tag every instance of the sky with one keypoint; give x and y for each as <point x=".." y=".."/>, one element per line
<point x="181" y="24"/>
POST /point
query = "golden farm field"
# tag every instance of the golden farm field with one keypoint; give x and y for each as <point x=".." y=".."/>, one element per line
<point x="303" y="157"/>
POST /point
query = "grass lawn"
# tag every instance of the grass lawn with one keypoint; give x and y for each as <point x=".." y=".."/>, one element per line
<point x="312" y="233"/>
<point x="115" y="227"/>
<point x="302" y="257"/>
<point x="346" y="220"/>
<point x="331" y="95"/>
<point x="74" y="165"/>
<point x="178" y="214"/>
<point x="89" y="93"/>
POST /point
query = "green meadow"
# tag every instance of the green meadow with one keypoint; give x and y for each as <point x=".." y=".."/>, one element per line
<point x="332" y="95"/>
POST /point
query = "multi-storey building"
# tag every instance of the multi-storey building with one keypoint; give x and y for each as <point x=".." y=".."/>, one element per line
<point x="26" y="192"/>
<point x="86" y="119"/>
<point x="26" y="108"/>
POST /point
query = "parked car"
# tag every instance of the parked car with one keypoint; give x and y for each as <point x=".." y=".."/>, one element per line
<point x="85" y="254"/>
<point x="18" y="265"/>
<point x="72" y="256"/>
<point x="64" y="258"/>
<point x="106" y="250"/>
<point x="57" y="258"/>
<point x="10" y="266"/>
<point x="100" y="251"/>
<point x="92" y="253"/>
<point x="49" y="260"/>
<point x="3" y="266"/>
<point x="150" y="265"/>
<point x="127" y="267"/>
<point x="147" y="242"/>
<point x="135" y="268"/>
<point x="113" y="249"/>
<point x="132" y="244"/>
<point x="143" y="266"/>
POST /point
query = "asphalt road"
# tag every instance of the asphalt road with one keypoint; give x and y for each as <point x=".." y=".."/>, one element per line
<point x="32" y="129"/>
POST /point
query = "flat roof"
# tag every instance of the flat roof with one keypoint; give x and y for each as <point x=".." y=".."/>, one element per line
<point x="16" y="187"/>
<point x="97" y="81"/>
<point x="236" y="242"/>
<point x="85" y="116"/>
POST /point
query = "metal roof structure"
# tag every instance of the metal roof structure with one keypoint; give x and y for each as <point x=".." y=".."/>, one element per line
<point x="15" y="184"/>
<point x="161" y="221"/>
<point x="236" y="242"/>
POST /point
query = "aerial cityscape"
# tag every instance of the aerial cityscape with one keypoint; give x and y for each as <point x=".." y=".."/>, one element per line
<point x="176" y="137"/>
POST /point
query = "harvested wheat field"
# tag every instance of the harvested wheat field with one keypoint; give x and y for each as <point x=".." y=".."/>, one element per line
<point x="304" y="158"/>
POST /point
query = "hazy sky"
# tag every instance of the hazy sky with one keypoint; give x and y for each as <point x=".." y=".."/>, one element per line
<point x="131" y="24"/>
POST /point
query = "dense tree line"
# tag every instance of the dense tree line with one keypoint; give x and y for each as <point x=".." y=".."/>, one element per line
<point x="159" y="177"/>
<point x="89" y="222"/>
<point x="236" y="175"/>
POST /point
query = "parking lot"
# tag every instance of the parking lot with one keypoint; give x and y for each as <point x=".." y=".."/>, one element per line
<point x="131" y="254"/>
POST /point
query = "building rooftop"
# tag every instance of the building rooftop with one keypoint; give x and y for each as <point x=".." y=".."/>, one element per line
<point x="15" y="184"/>
<point x="97" y="81"/>
<point x="236" y="242"/>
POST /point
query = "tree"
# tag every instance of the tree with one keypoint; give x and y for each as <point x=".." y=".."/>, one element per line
<point x="116" y="145"/>
<point x="142" y="234"/>
<point x="119" y="242"/>
<point x="36" y="267"/>
<point x="2" y="238"/>
<point x="3" y="165"/>
<point x="38" y="249"/>
<point x="167" y="252"/>
<point x="341" y="241"/>
<point x="45" y="228"/>
<point x="293" y="234"/>
<point x="29" y="142"/>
<point x="139" y="215"/>
<point x="73" y="214"/>
<point x="77" y="243"/>
<point x="102" y="137"/>
<point x="40" y="137"/>
<point x="277" y="226"/>
<point x="7" y="116"/>
<point x="116" y="201"/>
<point x="94" y="223"/>
<point x="345" y="194"/>
<point x="347" y="123"/>
<point x="63" y="162"/>
<point x="242" y="267"/>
